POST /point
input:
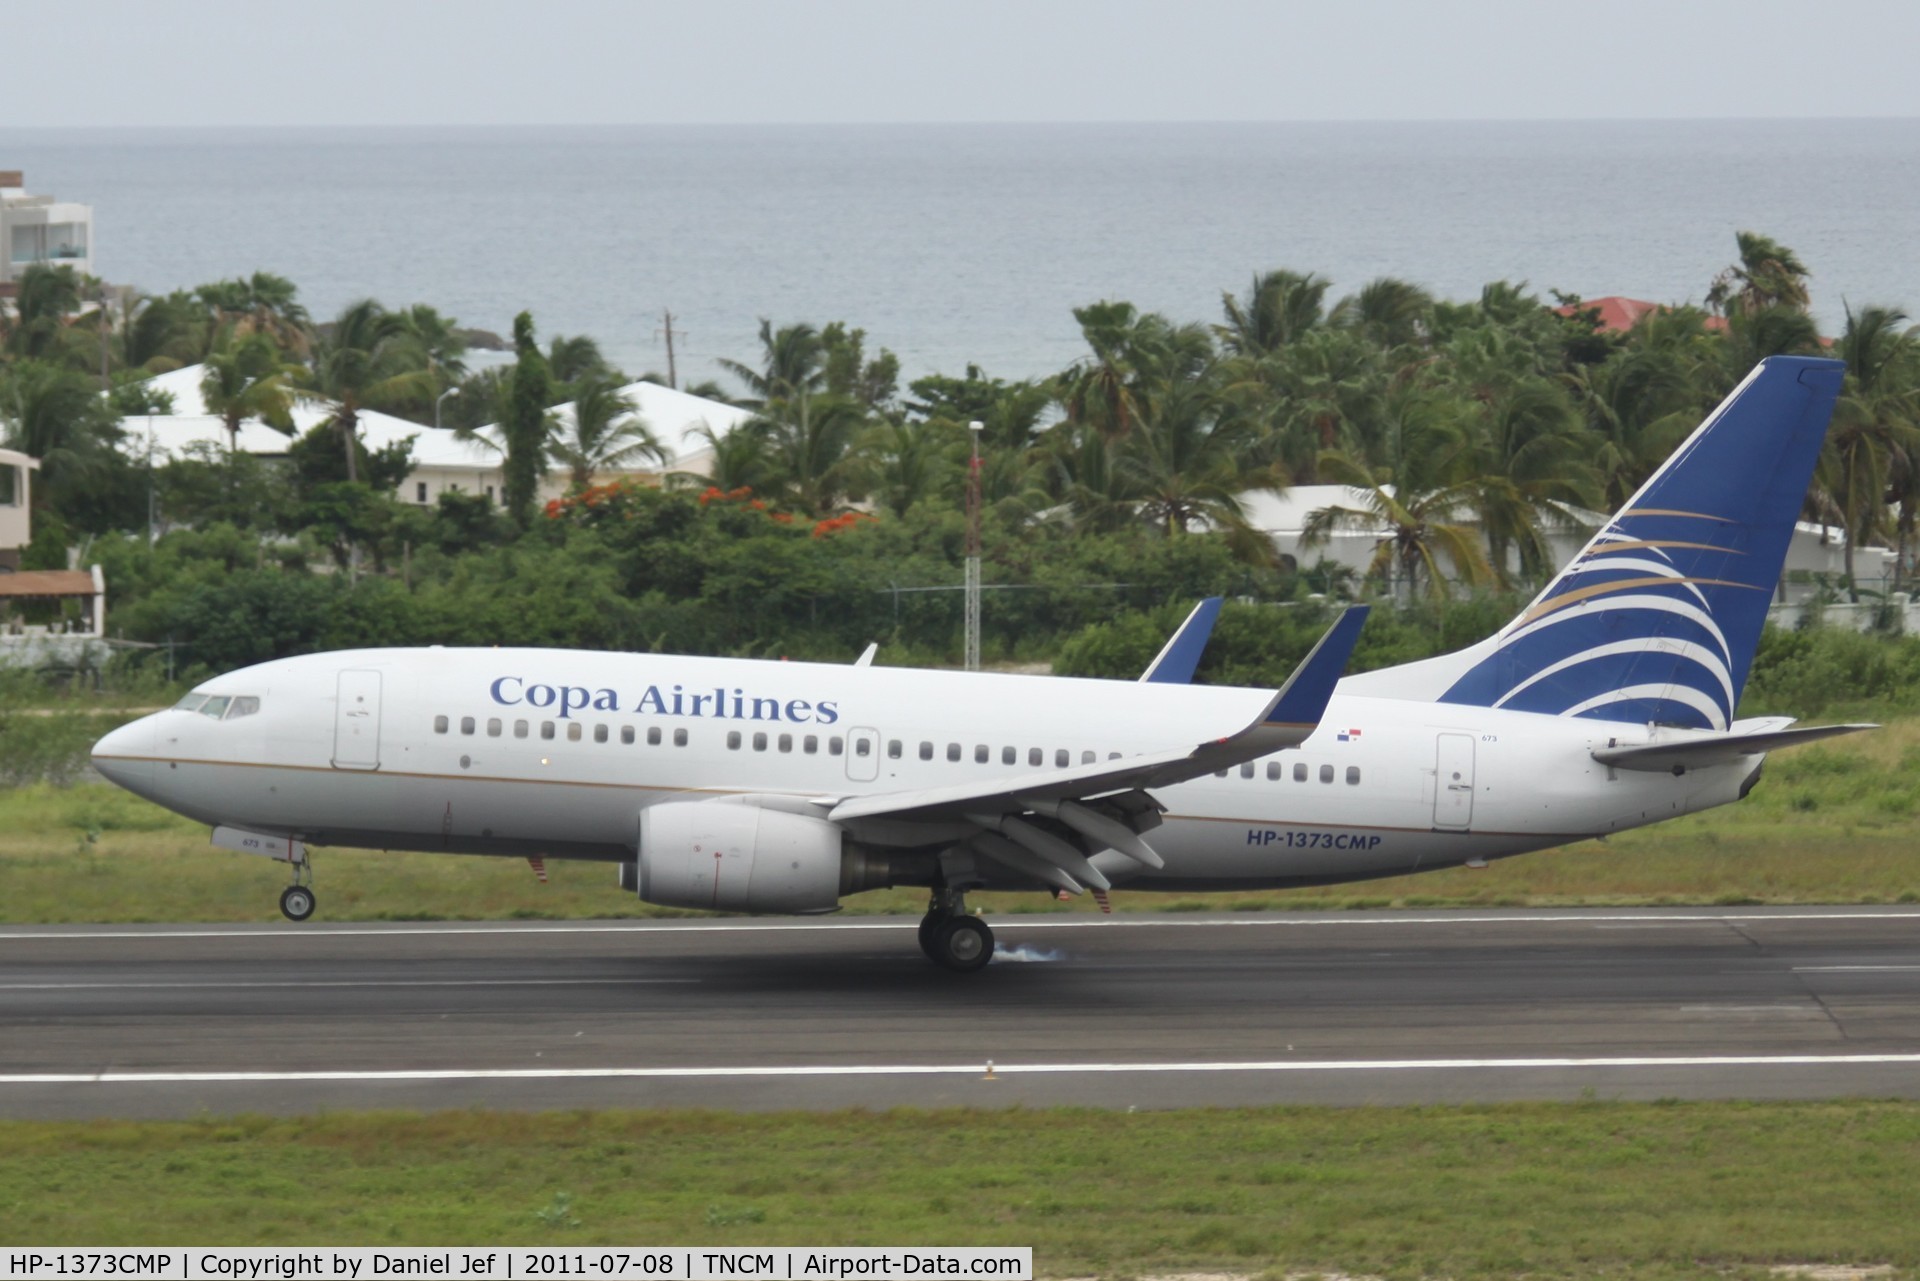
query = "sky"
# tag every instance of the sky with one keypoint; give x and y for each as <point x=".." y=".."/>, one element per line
<point x="542" y="62"/>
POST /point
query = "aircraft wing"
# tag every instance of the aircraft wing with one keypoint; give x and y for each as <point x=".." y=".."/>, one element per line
<point x="1179" y="658"/>
<point x="1681" y="755"/>
<point x="1285" y="721"/>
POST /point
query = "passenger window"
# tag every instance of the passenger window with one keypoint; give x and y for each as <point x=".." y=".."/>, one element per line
<point x="599" y="733"/>
<point x="546" y="729"/>
<point x="1062" y="758"/>
<point x="1326" y="773"/>
<point x="733" y="740"/>
<point x="439" y="724"/>
<point x="926" y="751"/>
<point x="1113" y="756"/>
<point x="1036" y="757"/>
<point x="981" y="754"/>
<point x="863" y="747"/>
<point x="493" y="727"/>
<point x="953" y="751"/>
<point x="1246" y="771"/>
<point x="626" y="734"/>
<point x="833" y="746"/>
<point x="573" y="731"/>
<point x="653" y="736"/>
<point x="679" y="738"/>
<point x="519" y="729"/>
<point x="244" y="705"/>
<point x="1219" y="773"/>
<point x="215" y="707"/>
<point x="1273" y="771"/>
<point x="760" y="741"/>
<point x="810" y="744"/>
<point x="1299" y="771"/>
<point x="893" y="749"/>
<point x="786" y="742"/>
<point x="1009" y="755"/>
<point x="1086" y="758"/>
<point x="1353" y="775"/>
<point x="466" y="724"/>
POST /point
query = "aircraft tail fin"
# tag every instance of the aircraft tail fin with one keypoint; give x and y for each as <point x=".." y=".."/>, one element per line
<point x="1657" y="619"/>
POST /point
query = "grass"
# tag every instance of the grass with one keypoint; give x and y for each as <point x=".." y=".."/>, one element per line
<point x="1835" y="822"/>
<point x="1643" y="1190"/>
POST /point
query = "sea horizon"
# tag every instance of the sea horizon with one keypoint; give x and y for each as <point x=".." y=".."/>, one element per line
<point x="955" y="243"/>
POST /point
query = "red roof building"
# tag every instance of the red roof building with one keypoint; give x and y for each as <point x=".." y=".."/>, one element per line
<point x="1617" y="314"/>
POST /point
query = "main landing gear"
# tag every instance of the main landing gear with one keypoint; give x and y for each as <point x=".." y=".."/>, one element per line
<point x="297" y="900"/>
<point x="952" y="939"/>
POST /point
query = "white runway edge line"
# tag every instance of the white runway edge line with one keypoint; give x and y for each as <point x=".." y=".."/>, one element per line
<point x="949" y="1069"/>
<point x="1572" y="916"/>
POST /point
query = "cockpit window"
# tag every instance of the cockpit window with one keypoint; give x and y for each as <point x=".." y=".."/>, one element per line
<point x="215" y="707"/>
<point x="243" y="705"/>
<point x="191" y="703"/>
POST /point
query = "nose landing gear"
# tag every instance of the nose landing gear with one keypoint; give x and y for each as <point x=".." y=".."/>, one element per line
<point x="950" y="937"/>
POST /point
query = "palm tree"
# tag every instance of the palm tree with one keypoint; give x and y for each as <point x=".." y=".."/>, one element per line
<point x="793" y="363"/>
<point x="904" y="464"/>
<point x="47" y="296"/>
<point x="811" y="442"/>
<point x="1418" y="498"/>
<point x="1874" y="433"/>
<point x="1392" y="312"/>
<point x="1768" y="275"/>
<point x="440" y="339"/>
<point x="602" y="434"/>
<point x="367" y="359"/>
<point x="245" y="378"/>
<point x="1190" y="457"/>
<point x="1280" y="307"/>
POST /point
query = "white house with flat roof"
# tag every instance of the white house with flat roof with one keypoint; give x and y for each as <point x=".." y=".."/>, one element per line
<point x="40" y="229"/>
<point x="443" y="461"/>
<point x="1815" y="557"/>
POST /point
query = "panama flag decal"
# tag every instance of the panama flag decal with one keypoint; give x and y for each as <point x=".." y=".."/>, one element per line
<point x="1348" y="735"/>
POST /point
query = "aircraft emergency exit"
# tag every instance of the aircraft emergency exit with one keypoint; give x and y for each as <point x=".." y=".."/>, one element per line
<point x="776" y="787"/>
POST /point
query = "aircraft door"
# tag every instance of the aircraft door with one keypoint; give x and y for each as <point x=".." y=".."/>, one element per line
<point x="356" y="721"/>
<point x="1453" y="783"/>
<point x="863" y="755"/>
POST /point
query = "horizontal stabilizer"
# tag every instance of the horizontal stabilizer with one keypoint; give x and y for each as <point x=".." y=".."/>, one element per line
<point x="1682" y="755"/>
<point x="1179" y="658"/>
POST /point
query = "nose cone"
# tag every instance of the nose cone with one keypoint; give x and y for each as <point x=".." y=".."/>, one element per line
<point x="125" y="756"/>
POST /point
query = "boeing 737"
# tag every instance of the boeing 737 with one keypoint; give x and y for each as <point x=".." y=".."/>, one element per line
<point x="776" y="787"/>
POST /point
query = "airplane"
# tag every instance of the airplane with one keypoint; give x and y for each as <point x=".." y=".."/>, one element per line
<point x="751" y="786"/>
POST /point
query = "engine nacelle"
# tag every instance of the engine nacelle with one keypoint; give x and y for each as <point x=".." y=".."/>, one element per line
<point x="739" y="858"/>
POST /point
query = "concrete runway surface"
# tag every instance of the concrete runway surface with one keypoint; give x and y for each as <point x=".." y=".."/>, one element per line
<point x="1148" y="1011"/>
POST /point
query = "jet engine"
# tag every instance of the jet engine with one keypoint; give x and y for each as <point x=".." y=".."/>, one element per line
<point x="745" y="858"/>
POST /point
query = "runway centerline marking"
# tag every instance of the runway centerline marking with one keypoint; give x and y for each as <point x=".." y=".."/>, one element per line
<point x="952" y="1069"/>
<point x="1004" y="922"/>
<point x="336" y="984"/>
<point x="1849" y="969"/>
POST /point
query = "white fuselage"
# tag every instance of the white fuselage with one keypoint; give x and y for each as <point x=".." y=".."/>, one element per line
<point x="555" y="752"/>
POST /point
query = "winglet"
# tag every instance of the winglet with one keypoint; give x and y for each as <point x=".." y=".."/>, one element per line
<point x="1303" y="698"/>
<point x="866" y="655"/>
<point x="1179" y="658"/>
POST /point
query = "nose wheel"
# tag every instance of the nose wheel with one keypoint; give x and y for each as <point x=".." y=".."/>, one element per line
<point x="951" y="938"/>
<point x="296" y="902"/>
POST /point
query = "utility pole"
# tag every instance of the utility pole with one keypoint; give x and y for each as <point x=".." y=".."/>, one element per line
<point x="673" y="376"/>
<point x="973" y="550"/>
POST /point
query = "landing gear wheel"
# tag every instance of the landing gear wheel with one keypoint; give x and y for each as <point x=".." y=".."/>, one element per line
<point x="929" y="923"/>
<point x="296" y="902"/>
<point x="961" y="943"/>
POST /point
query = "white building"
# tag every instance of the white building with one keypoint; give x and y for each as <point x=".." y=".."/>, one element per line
<point x="1815" y="557"/>
<point x="443" y="461"/>
<point x="40" y="229"/>
<point x="16" y="495"/>
<point x="679" y="420"/>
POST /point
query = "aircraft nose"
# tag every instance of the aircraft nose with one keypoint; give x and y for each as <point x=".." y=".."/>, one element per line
<point x="125" y="755"/>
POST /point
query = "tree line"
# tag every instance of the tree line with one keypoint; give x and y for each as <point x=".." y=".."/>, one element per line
<point x="1467" y="429"/>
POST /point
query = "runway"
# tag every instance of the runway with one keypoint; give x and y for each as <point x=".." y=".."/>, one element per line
<point x="1147" y="1010"/>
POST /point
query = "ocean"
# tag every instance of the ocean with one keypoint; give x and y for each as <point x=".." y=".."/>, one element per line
<point x="953" y="244"/>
